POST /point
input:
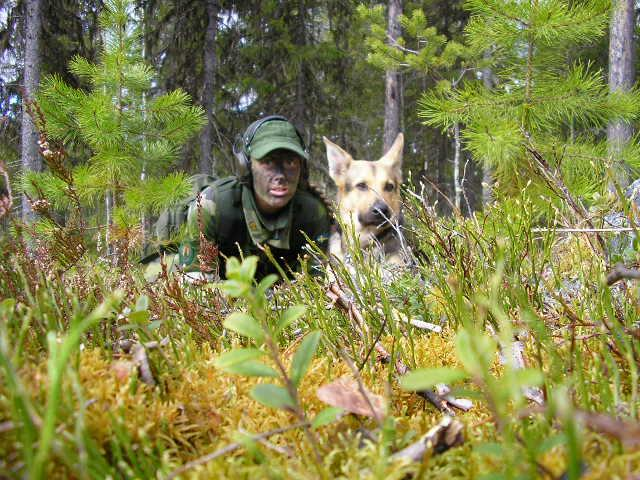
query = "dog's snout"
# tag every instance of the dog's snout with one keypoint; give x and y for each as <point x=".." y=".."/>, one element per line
<point x="381" y="210"/>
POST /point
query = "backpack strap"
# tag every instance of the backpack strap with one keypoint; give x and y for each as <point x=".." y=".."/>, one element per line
<point x="230" y="226"/>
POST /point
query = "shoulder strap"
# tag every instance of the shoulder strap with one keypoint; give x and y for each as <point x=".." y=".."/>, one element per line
<point x="312" y="218"/>
<point x="229" y="216"/>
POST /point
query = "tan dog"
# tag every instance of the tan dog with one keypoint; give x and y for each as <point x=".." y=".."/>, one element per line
<point x="369" y="199"/>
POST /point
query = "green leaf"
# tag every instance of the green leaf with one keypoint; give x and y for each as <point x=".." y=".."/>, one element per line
<point x="251" y="446"/>
<point x="551" y="442"/>
<point x="233" y="267"/>
<point x="142" y="303"/>
<point x="326" y="416"/>
<point x="244" y="324"/>
<point x="251" y="368"/>
<point x="475" y="353"/>
<point x="7" y="306"/>
<point x="155" y="324"/>
<point x="272" y="396"/>
<point x="139" y="316"/>
<point x="303" y="356"/>
<point x="528" y="377"/>
<point x="266" y="283"/>
<point x="289" y="316"/>
<point x="490" y="449"/>
<point x="236" y="356"/>
<point x="464" y="351"/>
<point x="234" y="288"/>
<point x="248" y="268"/>
<point x="425" y="378"/>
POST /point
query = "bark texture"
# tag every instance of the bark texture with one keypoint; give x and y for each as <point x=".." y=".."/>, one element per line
<point x="208" y="91"/>
<point x="392" y="97"/>
<point x="621" y="74"/>
<point x="30" y="155"/>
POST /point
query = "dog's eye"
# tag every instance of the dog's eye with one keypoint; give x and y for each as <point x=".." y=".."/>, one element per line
<point x="362" y="186"/>
<point x="389" y="187"/>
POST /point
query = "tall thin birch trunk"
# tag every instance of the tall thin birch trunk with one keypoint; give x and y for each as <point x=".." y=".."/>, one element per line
<point x="108" y="209"/>
<point x="621" y="77"/>
<point x="487" y="172"/>
<point x="457" y="185"/>
<point x="30" y="155"/>
<point x="392" y="96"/>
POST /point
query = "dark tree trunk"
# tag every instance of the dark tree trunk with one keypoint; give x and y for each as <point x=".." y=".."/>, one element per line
<point x="208" y="93"/>
<point x="30" y="155"/>
<point x="392" y="97"/>
<point x="299" y="116"/>
<point x="621" y="75"/>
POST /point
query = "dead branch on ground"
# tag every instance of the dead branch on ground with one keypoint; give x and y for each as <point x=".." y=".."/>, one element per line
<point x="339" y="297"/>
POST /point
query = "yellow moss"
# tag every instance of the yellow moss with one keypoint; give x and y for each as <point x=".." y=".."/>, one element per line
<point x="199" y="409"/>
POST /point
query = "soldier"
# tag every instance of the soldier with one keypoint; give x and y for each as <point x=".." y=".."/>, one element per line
<point x="268" y="205"/>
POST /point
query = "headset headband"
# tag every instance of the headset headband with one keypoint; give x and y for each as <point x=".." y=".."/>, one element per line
<point x="247" y="138"/>
<point x="242" y="144"/>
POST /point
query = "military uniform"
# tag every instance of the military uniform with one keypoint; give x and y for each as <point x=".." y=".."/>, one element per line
<point x="231" y="221"/>
<point x="226" y="210"/>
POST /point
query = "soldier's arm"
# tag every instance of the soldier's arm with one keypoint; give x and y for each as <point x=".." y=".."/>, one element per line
<point x="201" y="218"/>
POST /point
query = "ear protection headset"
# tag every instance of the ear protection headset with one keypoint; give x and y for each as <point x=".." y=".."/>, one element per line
<point x="242" y="144"/>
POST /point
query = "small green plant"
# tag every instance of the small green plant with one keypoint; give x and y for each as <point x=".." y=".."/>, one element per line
<point x="257" y="325"/>
<point x="38" y="432"/>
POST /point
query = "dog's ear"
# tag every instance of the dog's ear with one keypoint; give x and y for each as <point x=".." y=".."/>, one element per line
<point x="393" y="157"/>
<point x="339" y="161"/>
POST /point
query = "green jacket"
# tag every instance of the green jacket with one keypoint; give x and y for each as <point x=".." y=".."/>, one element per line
<point x="231" y="221"/>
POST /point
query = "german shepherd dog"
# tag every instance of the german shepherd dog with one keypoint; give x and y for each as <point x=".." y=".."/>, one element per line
<point x="369" y="199"/>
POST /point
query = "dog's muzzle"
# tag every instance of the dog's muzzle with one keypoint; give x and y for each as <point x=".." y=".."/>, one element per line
<point x="379" y="213"/>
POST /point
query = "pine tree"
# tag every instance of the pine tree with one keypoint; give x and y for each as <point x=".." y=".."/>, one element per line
<point x="132" y="138"/>
<point x="544" y="100"/>
<point x="424" y="53"/>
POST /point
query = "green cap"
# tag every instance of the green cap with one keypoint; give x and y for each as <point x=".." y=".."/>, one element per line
<point x="273" y="135"/>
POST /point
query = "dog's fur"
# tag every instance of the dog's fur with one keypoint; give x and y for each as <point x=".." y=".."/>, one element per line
<point x="369" y="199"/>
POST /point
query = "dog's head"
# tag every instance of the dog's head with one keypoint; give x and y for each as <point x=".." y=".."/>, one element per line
<point x="368" y="192"/>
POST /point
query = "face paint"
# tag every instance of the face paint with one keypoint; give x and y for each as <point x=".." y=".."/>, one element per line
<point x="275" y="179"/>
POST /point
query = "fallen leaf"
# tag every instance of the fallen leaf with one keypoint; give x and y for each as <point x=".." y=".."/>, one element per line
<point x="123" y="369"/>
<point x="345" y="393"/>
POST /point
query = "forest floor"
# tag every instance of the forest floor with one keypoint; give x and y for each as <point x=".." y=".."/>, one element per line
<point x="82" y="398"/>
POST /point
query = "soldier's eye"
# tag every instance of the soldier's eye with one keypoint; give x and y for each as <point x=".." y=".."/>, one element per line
<point x="362" y="186"/>
<point x="389" y="187"/>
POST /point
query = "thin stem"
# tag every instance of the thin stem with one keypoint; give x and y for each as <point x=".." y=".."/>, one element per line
<point x="297" y="409"/>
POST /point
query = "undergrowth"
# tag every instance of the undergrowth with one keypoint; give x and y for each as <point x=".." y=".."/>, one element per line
<point x="104" y="375"/>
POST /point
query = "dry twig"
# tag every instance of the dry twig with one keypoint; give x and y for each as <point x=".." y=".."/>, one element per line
<point x="448" y="433"/>
<point x="338" y="297"/>
<point x="620" y="272"/>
